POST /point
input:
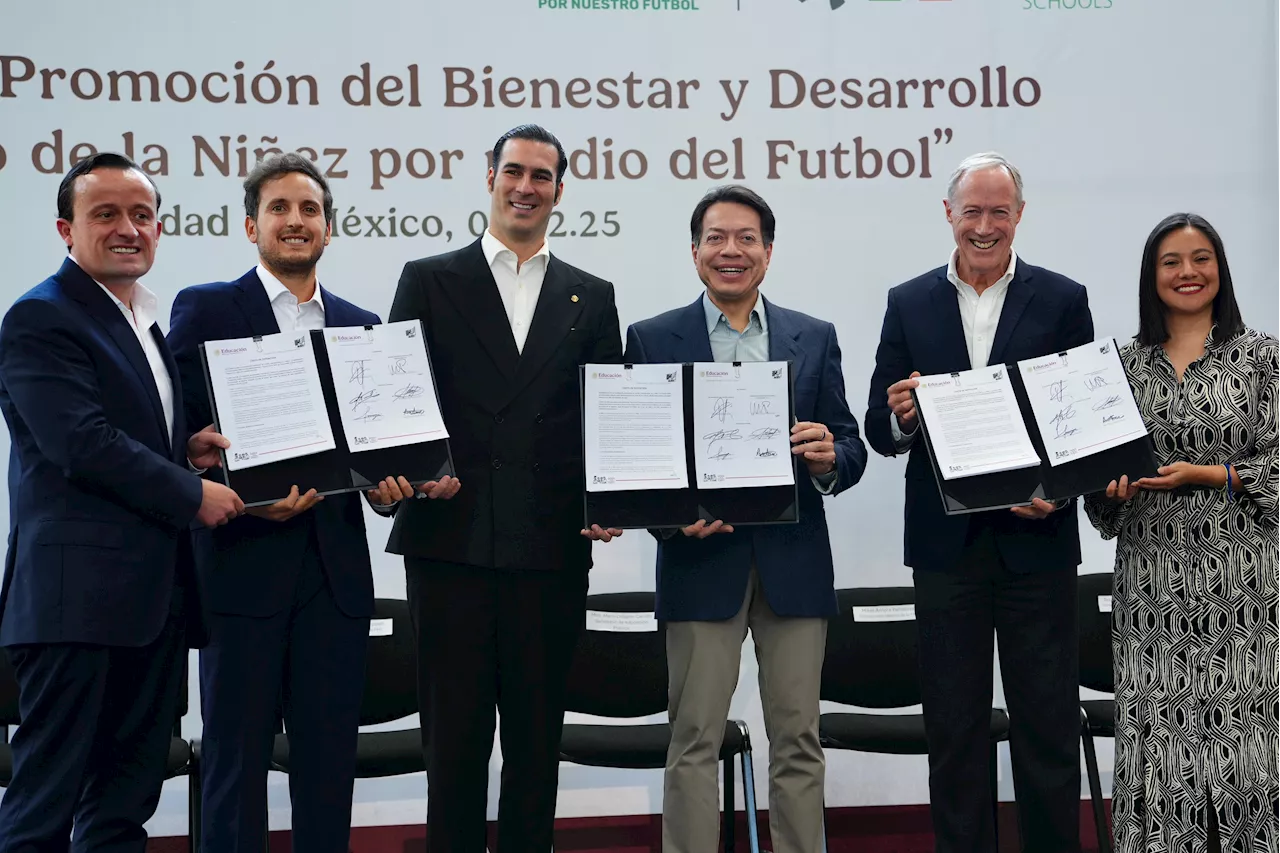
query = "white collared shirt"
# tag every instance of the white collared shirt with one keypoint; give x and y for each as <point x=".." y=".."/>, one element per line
<point x="979" y="317"/>
<point x="519" y="288"/>
<point x="290" y="315"/>
<point x="980" y="313"/>
<point x="141" y="317"/>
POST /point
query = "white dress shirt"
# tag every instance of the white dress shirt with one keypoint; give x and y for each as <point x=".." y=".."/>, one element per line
<point x="290" y="315"/>
<point x="141" y="317"/>
<point x="980" y="312"/>
<point x="979" y="316"/>
<point x="520" y="287"/>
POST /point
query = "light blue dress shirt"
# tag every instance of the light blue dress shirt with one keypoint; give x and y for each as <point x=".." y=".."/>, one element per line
<point x="751" y="344"/>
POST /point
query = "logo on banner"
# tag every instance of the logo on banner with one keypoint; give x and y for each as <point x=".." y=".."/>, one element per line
<point x="622" y="5"/>
<point x="1067" y="5"/>
<point x="836" y="4"/>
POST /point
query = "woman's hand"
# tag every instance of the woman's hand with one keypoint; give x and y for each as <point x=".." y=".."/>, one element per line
<point x="1122" y="490"/>
<point x="1182" y="474"/>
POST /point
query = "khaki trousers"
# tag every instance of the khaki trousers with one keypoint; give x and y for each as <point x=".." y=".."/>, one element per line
<point x="703" y="660"/>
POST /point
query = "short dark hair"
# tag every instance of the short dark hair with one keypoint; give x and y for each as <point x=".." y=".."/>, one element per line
<point x="534" y="133"/>
<point x="1152" y="329"/>
<point x="735" y="194"/>
<point x="276" y="166"/>
<point x="101" y="160"/>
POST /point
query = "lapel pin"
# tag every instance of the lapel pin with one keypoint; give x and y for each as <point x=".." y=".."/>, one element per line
<point x="573" y="298"/>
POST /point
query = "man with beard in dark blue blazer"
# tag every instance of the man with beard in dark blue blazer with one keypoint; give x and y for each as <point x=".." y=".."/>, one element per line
<point x="290" y="588"/>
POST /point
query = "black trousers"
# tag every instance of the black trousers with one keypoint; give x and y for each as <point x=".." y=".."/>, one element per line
<point x="492" y="639"/>
<point x="93" y="743"/>
<point x="307" y="661"/>
<point x="1034" y="617"/>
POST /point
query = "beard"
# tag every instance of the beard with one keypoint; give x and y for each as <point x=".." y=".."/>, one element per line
<point x="291" y="264"/>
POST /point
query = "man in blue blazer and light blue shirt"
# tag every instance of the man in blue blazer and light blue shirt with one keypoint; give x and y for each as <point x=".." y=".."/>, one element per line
<point x="1010" y="573"/>
<point x="291" y="588"/>
<point x="99" y="600"/>
<point x="777" y="580"/>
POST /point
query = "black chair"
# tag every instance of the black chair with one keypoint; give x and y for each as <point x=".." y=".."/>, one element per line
<point x="177" y="764"/>
<point x="872" y="663"/>
<point x="1097" y="716"/>
<point x="623" y="674"/>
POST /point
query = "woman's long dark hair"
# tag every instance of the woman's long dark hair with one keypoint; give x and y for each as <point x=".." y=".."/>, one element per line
<point x="1152" y="329"/>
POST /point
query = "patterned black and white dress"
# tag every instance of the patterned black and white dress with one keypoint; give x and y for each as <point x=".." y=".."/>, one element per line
<point x="1194" y="608"/>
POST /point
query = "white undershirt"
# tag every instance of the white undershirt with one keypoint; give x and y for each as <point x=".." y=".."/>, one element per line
<point x="519" y="288"/>
<point x="141" y="317"/>
<point x="980" y="312"/>
<point x="290" y="315"/>
<point x="979" y="317"/>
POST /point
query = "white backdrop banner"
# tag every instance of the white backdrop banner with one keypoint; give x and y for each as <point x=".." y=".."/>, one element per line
<point x="847" y="115"/>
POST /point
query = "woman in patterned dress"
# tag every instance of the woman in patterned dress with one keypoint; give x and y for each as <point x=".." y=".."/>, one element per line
<point x="1195" y="638"/>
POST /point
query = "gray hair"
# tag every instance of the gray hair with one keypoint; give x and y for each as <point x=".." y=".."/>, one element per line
<point x="978" y="162"/>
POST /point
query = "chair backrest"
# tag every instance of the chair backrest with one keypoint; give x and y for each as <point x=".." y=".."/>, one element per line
<point x="391" y="670"/>
<point x="1093" y="609"/>
<point x="871" y="659"/>
<point x="620" y="666"/>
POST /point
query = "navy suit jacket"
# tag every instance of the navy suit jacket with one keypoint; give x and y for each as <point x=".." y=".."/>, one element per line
<point x="706" y="579"/>
<point x="100" y="498"/>
<point x="1043" y="313"/>
<point x="250" y="566"/>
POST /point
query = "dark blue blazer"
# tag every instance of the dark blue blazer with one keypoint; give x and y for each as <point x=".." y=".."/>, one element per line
<point x="706" y="579"/>
<point x="250" y="566"/>
<point x="1043" y="313"/>
<point x="100" y="498"/>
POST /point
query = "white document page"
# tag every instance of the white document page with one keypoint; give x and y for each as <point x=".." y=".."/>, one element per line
<point x="975" y="426"/>
<point x="383" y="382"/>
<point x="634" y="427"/>
<point x="741" y="425"/>
<point x="270" y="405"/>
<point x="1082" y="401"/>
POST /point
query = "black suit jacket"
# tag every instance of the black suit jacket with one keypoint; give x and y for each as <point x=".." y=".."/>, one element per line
<point x="514" y="419"/>
<point x="1043" y="312"/>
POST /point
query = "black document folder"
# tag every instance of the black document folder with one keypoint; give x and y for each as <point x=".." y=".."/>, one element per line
<point x="655" y="508"/>
<point x="1004" y="489"/>
<point x="332" y="471"/>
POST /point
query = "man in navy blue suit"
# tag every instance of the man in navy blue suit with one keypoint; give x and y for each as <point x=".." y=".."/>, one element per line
<point x="99" y="599"/>
<point x="290" y="588"/>
<point x="715" y="583"/>
<point x="1010" y="572"/>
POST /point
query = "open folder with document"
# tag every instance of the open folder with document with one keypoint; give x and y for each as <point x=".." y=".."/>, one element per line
<point x="333" y="409"/>
<point x="1054" y="427"/>
<point x="667" y="444"/>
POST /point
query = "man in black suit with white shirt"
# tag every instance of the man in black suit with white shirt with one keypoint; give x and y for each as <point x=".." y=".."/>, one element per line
<point x="497" y="577"/>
